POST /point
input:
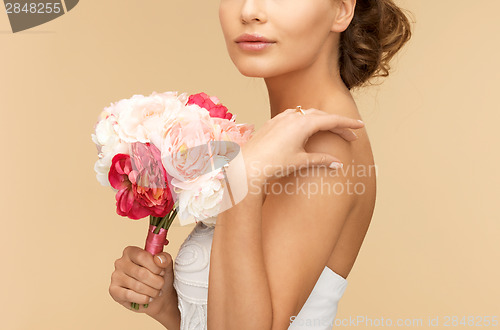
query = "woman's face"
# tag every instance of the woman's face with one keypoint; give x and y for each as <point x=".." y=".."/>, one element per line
<point x="298" y="30"/>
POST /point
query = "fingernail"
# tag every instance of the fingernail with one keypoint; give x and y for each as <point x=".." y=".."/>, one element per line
<point x="161" y="292"/>
<point x="362" y="122"/>
<point x="162" y="272"/>
<point x="336" y="165"/>
<point x="150" y="299"/>
<point x="161" y="258"/>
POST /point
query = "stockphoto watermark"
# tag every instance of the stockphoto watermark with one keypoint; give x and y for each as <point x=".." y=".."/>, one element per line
<point x="433" y="321"/>
<point x="25" y="14"/>
<point x="218" y="171"/>
<point x="311" y="180"/>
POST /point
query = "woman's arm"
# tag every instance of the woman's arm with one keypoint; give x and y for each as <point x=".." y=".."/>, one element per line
<point x="239" y="295"/>
<point x="264" y="264"/>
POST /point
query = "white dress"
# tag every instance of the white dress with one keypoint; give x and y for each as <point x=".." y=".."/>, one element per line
<point x="191" y="268"/>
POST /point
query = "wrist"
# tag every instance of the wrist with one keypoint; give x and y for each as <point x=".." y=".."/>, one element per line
<point x="255" y="173"/>
<point x="170" y="318"/>
<point x="254" y="169"/>
<point x="244" y="176"/>
<point x="169" y="315"/>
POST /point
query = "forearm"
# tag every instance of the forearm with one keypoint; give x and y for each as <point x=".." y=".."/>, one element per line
<point x="239" y="296"/>
<point x="170" y="317"/>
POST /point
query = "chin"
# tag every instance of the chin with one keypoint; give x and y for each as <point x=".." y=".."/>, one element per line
<point x="254" y="65"/>
<point x="252" y="73"/>
<point x="256" y="70"/>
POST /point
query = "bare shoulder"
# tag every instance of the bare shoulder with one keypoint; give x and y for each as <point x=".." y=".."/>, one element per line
<point x="328" y="142"/>
<point x="360" y="171"/>
<point x="359" y="183"/>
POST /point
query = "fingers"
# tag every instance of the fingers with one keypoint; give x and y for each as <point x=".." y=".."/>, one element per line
<point x="125" y="296"/>
<point x="329" y="119"/>
<point x="321" y="120"/>
<point x="125" y="290"/>
<point x="164" y="261"/>
<point x="345" y="133"/>
<point x="332" y="120"/>
<point x="290" y="110"/>
<point x="335" y="123"/>
<point x="319" y="159"/>
<point x="145" y="276"/>
<point x="139" y="286"/>
<point x="143" y="258"/>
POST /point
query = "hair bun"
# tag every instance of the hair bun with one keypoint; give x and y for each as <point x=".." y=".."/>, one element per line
<point x="378" y="30"/>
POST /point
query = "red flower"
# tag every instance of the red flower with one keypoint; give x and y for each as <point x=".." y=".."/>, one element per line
<point x="212" y="104"/>
<point x="140" y="181"/>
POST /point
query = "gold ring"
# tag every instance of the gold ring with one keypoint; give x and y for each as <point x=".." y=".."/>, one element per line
<point x="299" y="108"/>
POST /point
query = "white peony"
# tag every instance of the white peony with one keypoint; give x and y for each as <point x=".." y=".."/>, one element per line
<point x="108" y="145"/>
<point x="141" y="116"/>
<point x="200" y="198"/>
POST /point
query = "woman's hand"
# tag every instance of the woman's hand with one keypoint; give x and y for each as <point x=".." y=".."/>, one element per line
<point x="141" y="278"/>
<point x="277" y="149"/>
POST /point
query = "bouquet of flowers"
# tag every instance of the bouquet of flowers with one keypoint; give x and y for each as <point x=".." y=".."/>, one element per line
<point x="164" y="155"/>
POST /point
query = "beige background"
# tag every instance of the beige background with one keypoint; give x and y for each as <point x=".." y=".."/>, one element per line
<point x="432" y="249"/>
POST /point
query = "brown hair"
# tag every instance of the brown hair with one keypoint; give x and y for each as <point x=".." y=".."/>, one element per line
<point x="378" y="30"/>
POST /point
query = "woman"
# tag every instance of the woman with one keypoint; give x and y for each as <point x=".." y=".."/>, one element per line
<point x="280" y="258"/>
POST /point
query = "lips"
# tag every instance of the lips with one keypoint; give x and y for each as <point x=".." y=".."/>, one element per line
<point x="246" y="37"/>
<point x="254" y="45"/>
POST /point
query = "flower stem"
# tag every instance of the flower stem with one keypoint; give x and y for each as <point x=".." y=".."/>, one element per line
<point x="167" y="220"/>
<point x="162" y="223"/>
<point x="171" y="219"/>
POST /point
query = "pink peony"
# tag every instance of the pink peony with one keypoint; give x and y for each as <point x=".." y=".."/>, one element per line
<point x="141" y="184"/>
<point x="184" y="144"/>
<point x="212" y="104"/>
<point x="225" y="130"/>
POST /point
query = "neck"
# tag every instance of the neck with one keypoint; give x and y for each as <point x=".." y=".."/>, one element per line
<point x="315" y="86"/>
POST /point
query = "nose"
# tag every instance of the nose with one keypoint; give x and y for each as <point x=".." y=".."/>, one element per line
<point x="253" y="10"/>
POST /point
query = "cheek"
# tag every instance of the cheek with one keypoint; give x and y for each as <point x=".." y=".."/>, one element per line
<point x="303" y="28"/>
<point x="302" y="42"/>
<point x="224" y="19"/>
